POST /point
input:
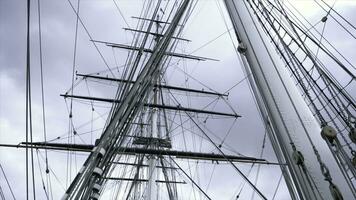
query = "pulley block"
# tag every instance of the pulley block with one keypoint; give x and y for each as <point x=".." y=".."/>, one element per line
<point x="298" y="157"/>
<point x="328" y="132"/>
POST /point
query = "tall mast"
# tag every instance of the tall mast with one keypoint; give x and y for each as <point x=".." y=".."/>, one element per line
<point x="311" y="171"/>
<point x="88" y="182"/>
<point x="152" y="161"/>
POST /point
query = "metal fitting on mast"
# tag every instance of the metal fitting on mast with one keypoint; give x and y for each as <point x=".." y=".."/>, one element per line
<point x="335" y="192"/>
<point x="298" y="157"/>
<point x="241" y="48"/>
<point x="328" y="132"/>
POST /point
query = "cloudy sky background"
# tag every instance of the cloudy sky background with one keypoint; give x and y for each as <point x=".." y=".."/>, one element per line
<point x="105" y="23"/>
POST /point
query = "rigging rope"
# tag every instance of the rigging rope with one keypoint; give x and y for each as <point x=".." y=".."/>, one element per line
<point x="312" y="35"/>
<point x="7" y="182"/>
<point x="43" y="184"/>
<point x="314" y="41"/>
<point x="327" y="101"/>
<point x="323" y="167"/>
<point x="324" y="20"/>
<point x="92" y="112"/>
<point x="185" y="173"/>
<point x="348" y="31"/>
<point x="223" y="154"/>
<point x="52" y="172"/>
<point x="259" y="166"/>
<point x="288" y="94"/>
<point x="122" y="15"/>
<point x="71" y="130"/>
<point x="185" y="146"/>
<point x="91" y="38"/>
<point x="308" y="52"/>
<point x="242" y="185"/>
<point x="74" y="56"/>
<point x="317" y="111"/>
<point x="48" y="178"/>
<point x="278" y="184"/>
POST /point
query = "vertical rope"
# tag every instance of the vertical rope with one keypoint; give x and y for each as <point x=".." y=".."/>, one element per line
<point x="7" y="182"/>
<point x="48" y="182"/>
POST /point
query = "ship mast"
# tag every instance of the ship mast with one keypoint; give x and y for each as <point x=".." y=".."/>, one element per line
<point x="314" y="167"/>
<point x="152" y="160"/>
<point x="87" y="184"/>
<point x="311" y="171"/>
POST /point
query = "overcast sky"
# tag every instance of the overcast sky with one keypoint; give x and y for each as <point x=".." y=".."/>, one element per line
<point x="104" y="22"/>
